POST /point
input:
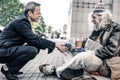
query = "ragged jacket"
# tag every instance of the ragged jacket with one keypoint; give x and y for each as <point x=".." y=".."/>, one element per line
<point x="19" y="32"/>
<point x="109" y="39"/>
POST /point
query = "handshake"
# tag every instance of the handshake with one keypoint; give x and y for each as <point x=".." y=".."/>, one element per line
<point x="63" y="48"/>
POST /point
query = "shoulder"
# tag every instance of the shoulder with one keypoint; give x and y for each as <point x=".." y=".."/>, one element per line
<point x="20" y="22"/>
<point x="22" y="18"/>
<point x="115" y="25"/>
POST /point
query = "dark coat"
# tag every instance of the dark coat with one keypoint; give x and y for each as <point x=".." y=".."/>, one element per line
<point x="19" y="32"/>
<point x="110" y="39"/>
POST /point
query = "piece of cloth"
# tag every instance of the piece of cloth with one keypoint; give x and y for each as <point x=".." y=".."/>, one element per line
<point x="92" y="45"/>
<point x="86" y="60"/>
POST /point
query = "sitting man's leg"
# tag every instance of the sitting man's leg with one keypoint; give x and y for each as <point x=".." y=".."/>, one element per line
<point x="86" y="60"/>
<point x="68" y="73"/>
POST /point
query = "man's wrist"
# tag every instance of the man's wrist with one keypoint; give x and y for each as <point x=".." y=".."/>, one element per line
<point x="57" y="46"/>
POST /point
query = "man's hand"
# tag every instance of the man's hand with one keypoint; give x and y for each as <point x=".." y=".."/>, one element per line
<point x="61" y="48"/>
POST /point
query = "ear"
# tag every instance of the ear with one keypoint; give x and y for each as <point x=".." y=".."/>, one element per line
<point x="30" y="13"/>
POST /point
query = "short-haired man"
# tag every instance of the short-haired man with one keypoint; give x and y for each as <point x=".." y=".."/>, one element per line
<point x="13" y="51"/>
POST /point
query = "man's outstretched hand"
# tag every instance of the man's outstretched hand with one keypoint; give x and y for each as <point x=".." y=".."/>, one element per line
<point x="61" y="48"/>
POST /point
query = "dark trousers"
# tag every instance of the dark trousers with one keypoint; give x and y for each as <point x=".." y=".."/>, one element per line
<point x="19" y="57"/>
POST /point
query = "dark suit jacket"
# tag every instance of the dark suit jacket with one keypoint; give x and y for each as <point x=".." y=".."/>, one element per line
<point x="19" y="32"/>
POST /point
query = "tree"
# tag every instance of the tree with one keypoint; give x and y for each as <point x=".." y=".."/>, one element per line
<point x="42" y="23"/>
<point x="9" y="9"/>
<point x="50" y="29"/>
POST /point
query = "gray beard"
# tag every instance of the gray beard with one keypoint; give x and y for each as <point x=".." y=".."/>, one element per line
<point x="98" y="27"/>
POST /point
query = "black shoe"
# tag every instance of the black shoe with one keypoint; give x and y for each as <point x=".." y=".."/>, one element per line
<point x="68" y="74"/>
<point x="8" y="75"/>
<point x="18" y="73"/>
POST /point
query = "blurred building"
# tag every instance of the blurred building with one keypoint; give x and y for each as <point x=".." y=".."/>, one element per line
<point x="79" y="10"/>
<point x="64" y="28"/>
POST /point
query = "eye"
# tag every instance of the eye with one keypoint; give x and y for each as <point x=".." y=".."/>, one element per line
<point x="93" y="17"/>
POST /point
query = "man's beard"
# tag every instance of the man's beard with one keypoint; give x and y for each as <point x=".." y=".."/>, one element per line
<point x="98" y="27"/>
<point x="103" y="24"/>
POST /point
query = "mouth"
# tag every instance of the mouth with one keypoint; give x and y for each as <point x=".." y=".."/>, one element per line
<point x="94" y="22"/>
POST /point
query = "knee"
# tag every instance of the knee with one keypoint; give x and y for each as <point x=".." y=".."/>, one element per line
<point x="33" y="51"/>
<point x="78" y="56"/>
<point x="83" y="56"/>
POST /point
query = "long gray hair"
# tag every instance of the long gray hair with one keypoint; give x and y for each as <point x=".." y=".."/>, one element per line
<point x="105" y="16"/>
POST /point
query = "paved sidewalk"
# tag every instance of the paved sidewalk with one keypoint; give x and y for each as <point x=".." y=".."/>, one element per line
<point x="31" y="69"/>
